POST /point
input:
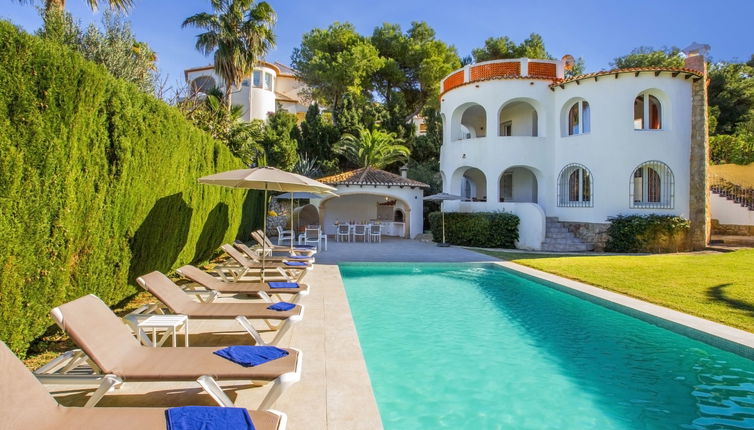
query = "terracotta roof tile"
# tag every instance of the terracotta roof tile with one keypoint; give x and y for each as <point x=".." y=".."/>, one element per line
<point x="557" y="82"/>
<point x="626" y="70"/>
<point x="370" y="176"/>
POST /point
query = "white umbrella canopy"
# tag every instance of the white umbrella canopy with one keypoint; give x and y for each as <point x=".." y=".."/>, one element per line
<point x="438" y="198"/>
<point x="267" y="179"/>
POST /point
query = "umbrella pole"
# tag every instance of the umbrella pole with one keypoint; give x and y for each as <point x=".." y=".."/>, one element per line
<point x="443" y="225"/>
<point x="293" y="230"/>
<point x="264" y="223"/>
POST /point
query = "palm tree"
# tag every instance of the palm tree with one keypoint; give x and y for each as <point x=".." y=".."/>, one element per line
<point x="238" y="32"/>
<point x="372" y="148"/>
<point x="59" y="5"/>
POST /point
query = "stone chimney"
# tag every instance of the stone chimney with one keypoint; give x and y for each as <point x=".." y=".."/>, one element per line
<point x="699" y="198"/>
<point x="404" y="171"/>
<point x="695" y="57"/>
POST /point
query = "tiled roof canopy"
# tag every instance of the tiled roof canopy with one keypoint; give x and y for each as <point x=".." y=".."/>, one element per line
<point x="675" y="71"/>
<point x="456" y="79"/>
<point x="371" y="176"/>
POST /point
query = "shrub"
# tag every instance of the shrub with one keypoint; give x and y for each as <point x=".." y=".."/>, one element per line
<point x="98" y="184"/>
<point x="647" y="233"/>
<point x="482" y="229"/>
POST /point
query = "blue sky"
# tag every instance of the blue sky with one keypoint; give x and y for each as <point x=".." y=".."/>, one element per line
<point x="596" y="30"/>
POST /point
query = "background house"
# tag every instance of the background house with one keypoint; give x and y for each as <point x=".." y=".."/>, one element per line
<point x="270" y="85"/>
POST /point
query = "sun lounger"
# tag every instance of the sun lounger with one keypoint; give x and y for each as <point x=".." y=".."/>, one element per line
<point x="179" y="302"/>
<point x="269" y="247"/>
<point x="253" y="256"/>
<point x="241" y="265"/>
<point x="262" y="289"/>
<point x="107" y="343"/>
<point x="28" y="405"/>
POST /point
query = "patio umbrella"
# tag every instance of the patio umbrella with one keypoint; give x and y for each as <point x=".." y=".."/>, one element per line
<point x="267" y="179"/>
<point x="440" y="198"/>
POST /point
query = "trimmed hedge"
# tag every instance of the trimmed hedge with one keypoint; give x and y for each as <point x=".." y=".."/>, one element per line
<point x="97" y="186"/>
<point x="647" y="233"/>
<point x="481" y="229"/>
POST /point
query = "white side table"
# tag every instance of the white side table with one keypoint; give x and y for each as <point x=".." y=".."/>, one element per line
<point x="170" y="324"/>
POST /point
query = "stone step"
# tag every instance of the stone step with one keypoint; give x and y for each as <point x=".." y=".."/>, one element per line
<point x="563" y="240"/>
<point x="560" y="235"/>
<point x="559" y="239"/>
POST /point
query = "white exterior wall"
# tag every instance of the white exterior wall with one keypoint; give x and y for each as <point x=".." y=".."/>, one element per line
<point x="360" y="203"/>
<point x="611" y="150"/>
<point x="728" y="212"/>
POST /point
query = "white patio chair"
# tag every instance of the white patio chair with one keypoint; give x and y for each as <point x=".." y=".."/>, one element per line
<point x="360" y="230"/>
<point x="343" y="231"/>
<point x="284" y="235"/>
<point x="375" y="233"/>
<point x="313" y="236"/>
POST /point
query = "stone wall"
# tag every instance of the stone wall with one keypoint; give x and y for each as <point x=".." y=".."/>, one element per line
<point x="590" y="233"/>
<point x="699" y="200"/>
<point x="280" y="220"/>
<point x="732" y="229"/>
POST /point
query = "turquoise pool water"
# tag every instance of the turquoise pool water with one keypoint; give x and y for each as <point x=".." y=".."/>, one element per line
<point x="477" y="347"/>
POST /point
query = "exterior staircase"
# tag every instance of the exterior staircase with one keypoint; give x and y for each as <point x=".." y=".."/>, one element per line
<point x="559" y="239"/>
<point x="740" y="195"/>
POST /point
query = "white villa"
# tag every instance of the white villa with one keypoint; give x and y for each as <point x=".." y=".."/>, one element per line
<point x="566" y="154"/>
<point x="269" y="85"/>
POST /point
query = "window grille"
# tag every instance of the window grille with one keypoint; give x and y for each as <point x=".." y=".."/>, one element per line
<point x="575" y="187"/>
<point x="652" y="186"/>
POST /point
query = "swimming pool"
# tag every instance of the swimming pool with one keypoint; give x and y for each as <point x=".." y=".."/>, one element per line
<point x="479" y="347"/>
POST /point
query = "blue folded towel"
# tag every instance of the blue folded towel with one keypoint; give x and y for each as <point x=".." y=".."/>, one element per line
<point x="295" y="263"/>
<point x="281" y="306"/>
<point x="251" y="355"/>
<point x="283" y="284"/>
<point x="208" y="418"/>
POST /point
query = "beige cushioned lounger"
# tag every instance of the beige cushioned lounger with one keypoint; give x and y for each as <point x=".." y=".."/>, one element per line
<point x="111" y="346"/>
<point x="224" y="287"/>
<point x="26" y="404"/>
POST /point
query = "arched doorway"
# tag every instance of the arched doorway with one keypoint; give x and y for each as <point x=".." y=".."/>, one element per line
<point x="518" y="185"/>
<point x="470" y="183"/>
<point x="469" y="122"/>
<point x="518" y="118"/>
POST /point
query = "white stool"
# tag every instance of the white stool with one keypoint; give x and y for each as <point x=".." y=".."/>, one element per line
<point x="170" y="324"/>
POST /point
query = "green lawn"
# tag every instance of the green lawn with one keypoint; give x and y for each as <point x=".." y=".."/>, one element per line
<point x="715" y="286"/>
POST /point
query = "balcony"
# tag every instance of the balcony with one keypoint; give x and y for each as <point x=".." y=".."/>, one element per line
<point x="508" y="68"/>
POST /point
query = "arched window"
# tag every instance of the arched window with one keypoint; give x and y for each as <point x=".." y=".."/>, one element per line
<point x="652" y="186"/>
<point x="203" y="84"/>
<point x="575" y="187"/>
<point x="647" y="112"/>
<point x="579" y="121"/>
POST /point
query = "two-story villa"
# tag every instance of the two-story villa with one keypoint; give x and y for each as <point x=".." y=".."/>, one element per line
<point x="566" y="154"/>
<point x="269" y="86"/>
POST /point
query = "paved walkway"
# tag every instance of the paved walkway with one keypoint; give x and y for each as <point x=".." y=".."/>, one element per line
<point x="396" y="250"/>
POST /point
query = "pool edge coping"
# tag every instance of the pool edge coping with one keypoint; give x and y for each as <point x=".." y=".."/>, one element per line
<point x="716" y="334"/>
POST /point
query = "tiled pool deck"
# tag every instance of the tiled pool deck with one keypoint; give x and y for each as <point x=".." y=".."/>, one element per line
<point x="335" y="391"/>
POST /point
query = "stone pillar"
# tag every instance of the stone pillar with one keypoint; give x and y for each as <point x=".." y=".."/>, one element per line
<point x="699" y="199"/>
